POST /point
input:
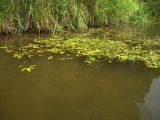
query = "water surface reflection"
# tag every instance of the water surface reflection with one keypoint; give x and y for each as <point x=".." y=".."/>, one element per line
<point x="150" y="109"/>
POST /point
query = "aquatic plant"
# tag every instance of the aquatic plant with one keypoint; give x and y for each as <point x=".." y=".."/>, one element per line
<point x="95" y="45"/>
<point x="95" y="49"/>
<point x="27" y="69"/>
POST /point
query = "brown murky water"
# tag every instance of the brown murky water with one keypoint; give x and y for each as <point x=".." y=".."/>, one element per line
<point x="72" y="90"/>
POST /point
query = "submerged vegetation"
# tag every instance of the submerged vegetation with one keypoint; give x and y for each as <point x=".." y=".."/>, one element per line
<point x="59" y="15"/>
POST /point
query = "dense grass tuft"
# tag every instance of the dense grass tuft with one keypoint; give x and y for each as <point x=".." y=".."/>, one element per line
<point x="57" y="15"/>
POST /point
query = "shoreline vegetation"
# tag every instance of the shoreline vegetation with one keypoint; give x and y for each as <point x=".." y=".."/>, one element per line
<point x="18" y="16"/>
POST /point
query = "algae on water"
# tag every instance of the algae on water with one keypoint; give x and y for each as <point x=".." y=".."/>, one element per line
<point x="117" y="48"/>
<point x="94" y="49"/>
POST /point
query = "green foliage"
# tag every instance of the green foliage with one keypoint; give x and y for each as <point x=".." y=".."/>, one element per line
<point x="124" y="48"/>
<point x="57" y="15"/>
<point x="154" y="6"/>
<point x="154" y="9"/>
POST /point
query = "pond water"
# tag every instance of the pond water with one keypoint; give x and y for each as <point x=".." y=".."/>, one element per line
<point x="73" y="90"/>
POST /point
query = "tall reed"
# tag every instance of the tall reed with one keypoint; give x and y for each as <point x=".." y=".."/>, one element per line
<point x="59" y="15"/>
